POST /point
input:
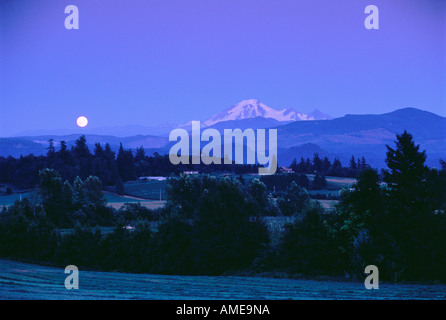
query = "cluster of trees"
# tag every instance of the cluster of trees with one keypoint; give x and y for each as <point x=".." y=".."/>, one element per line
<point x="398" y="225"/>
<point x="78" y="161"/>
<point x="67" y="204"/>
<point x="280" y="181"/>
<point x="185" y="192"/>
<point x="208" y="227"/>
<point x="401" y="225"/>
<point x="214" y="226"/>
<point x="110" y="167"/>
<point x="325" y="167"/>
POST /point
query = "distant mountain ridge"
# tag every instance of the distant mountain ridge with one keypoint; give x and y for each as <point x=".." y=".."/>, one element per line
<point x="368" y="134"/>
<point x="260" y="115"/>
<point x="358" y="135"/>
<point x="117" y="131"/>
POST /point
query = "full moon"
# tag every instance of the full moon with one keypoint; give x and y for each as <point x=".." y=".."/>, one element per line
<point x="82" y="121"/>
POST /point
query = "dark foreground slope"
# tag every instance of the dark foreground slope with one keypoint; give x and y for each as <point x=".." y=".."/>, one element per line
<point x="26" y="281"/>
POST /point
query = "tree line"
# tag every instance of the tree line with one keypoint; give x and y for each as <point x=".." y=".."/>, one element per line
<point x="280" y="182"/>
<point x="126" y="165"/>
<point x="325" y="167"/>
<point x="110" y="167"/>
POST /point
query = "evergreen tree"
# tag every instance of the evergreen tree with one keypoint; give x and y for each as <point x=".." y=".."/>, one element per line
<point x="82" y="157"/>
<point x="293" y="165"/>
<point x="317" y="163"/>
<point x="81" y="148"/>
<point x="418" y="233"/>
<point x="125" y="164"/>
<point x="140" y="154"/>
<point x="301" y="167"/>
<point x="353" y="164"/>
<point x="336" y="168"/>
<point x="325" y="165"/>
<point x="308" y="166"/>
<point x="406" y="171"/>
<point x="51" y="150"/>
<point x="98" y="151"/>
<point x="319" y="182"/>
<point x="363" y="164"/>
<point x="63" y="153"/>
<point x="108" y="153"/>
<point x="119" y="189"/>
<point x="110" y="163"/>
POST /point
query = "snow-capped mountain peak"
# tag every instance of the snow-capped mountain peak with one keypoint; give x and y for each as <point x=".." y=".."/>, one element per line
<point x="252" y="108"/>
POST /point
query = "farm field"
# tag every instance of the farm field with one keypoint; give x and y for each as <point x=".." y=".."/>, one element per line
<point x="148" y="204"/>
<point x="339" y="182"/>
<point x="152" y="194"/>
<point x="27" y="281"/>
<point x="117" y="201"/>
<point x="153" y="190"/>
<point x="113" y="200"/>
<point x="335" y="183"/>
<point x="7" y="200"/>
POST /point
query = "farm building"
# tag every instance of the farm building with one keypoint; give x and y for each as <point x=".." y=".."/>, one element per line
<point x="285" y="170"/>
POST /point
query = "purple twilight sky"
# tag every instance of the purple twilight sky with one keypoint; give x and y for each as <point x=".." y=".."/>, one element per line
<point x="156" y="61"/>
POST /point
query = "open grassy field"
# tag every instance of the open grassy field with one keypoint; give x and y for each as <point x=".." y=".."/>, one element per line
<point x="117" y="201"/>
<point x="339" y="182"/>
<point x="335" y="183"/>
<point x="148" y="204"/>
<point x="112" y="199"/>
<point x="7" y="200"/>
<point x="28" y="281"/>
<point x="153" y="190"/>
